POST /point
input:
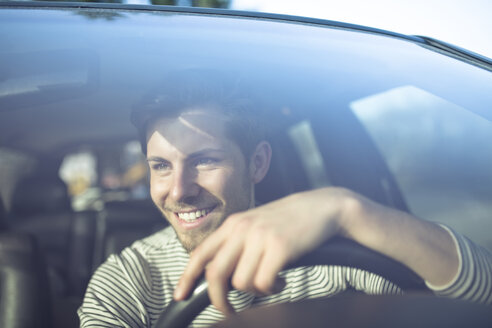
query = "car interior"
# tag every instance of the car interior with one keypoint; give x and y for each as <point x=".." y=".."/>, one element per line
<point x="75" y="243"/>
<point x="74" y="190"/>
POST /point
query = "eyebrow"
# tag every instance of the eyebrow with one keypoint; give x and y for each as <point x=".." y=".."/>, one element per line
<point x="191" y="156"/>
<point x="155" y="159"/>
<point x="205" y="152"/>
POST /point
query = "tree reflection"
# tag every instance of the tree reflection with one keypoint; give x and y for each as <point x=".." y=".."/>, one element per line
<point x="192" y="3"/>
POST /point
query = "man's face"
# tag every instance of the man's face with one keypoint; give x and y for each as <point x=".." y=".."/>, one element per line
<point x="198" y="177"/>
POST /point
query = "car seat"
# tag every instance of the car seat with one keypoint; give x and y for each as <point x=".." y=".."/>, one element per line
<point x="24" y="287"/>
<point x="121" y="223"/>
<point x="41" y="207"/>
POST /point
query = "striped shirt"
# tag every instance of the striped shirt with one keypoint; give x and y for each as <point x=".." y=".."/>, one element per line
<point x="132" y="289"/>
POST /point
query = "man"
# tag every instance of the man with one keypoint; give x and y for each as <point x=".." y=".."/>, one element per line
<point x="206" y="151"/>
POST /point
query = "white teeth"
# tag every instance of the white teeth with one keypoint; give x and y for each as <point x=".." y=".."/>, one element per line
<point x="192" y="216"/>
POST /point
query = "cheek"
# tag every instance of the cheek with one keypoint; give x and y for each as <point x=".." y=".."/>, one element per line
<point x="214" y="182"/>
<point x="228" y="185"/>
<point x="158" y="188"/>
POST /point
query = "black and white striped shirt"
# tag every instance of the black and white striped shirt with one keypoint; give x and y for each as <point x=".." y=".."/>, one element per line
<point x="132" y="289"/>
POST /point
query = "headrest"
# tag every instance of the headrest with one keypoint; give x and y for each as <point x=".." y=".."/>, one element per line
<point x="40" y="195"/>
<point x="3" y="216"/>
<point x="132" y="211"/>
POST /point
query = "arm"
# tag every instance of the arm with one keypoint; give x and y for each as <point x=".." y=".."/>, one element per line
<point x="426" y="248"/>
<point x="251" y="247"/>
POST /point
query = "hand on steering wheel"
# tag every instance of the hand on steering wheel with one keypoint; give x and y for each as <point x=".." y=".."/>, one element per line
<point x="337" y="251"/>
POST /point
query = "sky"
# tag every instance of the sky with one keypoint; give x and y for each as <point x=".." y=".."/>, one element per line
<point x="465" y="23"/>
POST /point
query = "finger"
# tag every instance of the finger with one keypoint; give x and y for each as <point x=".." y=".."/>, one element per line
<point x="220" y="269"/>
<point x="273" y="261"/>
<point x="203" y="254"/>
<point x="243" y="278"/>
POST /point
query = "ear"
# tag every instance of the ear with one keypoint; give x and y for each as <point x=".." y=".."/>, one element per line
<point x="260" y="161"/>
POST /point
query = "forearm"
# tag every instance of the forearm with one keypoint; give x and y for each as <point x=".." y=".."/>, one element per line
<point x="425" y="247"/>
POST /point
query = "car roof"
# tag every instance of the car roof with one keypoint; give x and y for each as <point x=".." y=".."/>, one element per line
<point x="72" y="72"/>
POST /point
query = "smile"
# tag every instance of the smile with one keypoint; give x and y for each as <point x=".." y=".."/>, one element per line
<point x="191" y="216"/>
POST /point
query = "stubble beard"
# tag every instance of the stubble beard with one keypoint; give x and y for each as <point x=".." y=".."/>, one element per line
<point x="192" y="242"/>
<point x="191" y="239"/>
<point x="239" y="202"/>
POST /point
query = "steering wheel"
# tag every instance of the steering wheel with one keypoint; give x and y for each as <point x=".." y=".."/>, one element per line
<point x="338" y="251"/>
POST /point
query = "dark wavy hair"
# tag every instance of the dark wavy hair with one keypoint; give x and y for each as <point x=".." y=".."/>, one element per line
<point x="181" y="90"/>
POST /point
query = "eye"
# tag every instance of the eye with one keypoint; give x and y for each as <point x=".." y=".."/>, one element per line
<point x="160" y="166"/>
<point x="206" y="161"/>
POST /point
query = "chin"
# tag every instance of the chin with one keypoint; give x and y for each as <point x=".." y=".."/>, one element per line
<point x="191" y="242"/>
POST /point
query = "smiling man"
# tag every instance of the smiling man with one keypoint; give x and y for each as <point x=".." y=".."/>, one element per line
<point x="206" y="151"/>
<point x="198" y="177"/>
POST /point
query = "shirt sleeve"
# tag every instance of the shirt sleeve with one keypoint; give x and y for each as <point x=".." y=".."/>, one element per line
<point x="473" y="281"/>
<point x="112" y="298"/>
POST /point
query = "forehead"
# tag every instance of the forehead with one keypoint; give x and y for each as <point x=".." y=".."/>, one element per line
<point x="191" y="131"/>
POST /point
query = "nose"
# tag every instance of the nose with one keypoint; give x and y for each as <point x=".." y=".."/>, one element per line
<point x="183" y="185"/>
